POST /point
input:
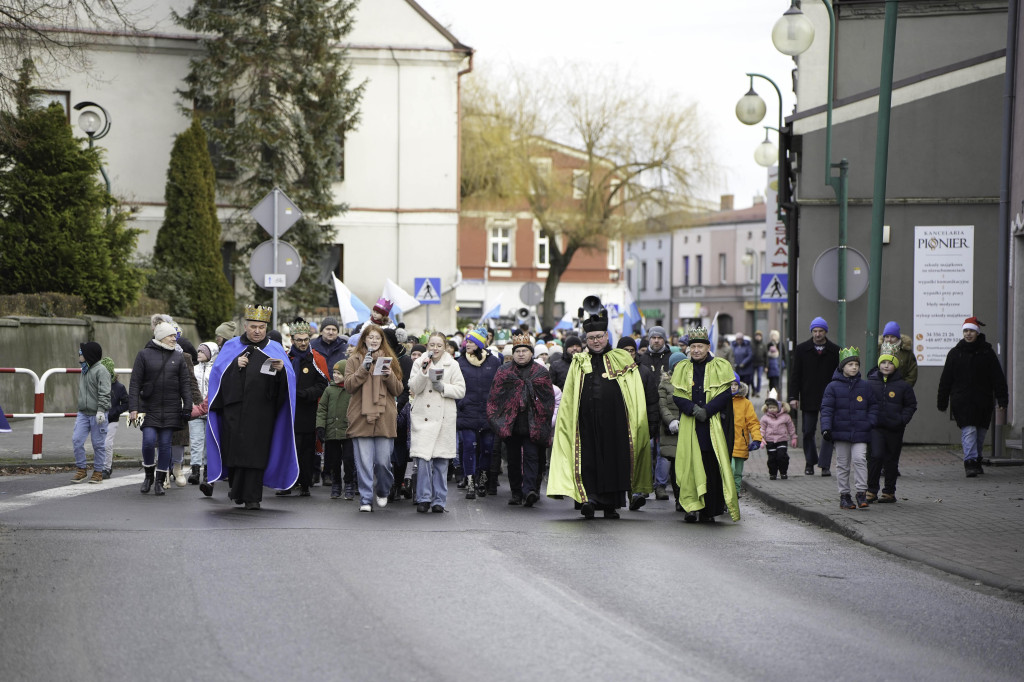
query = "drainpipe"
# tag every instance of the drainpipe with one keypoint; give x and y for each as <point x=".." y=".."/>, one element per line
<point x="398" y="164"/>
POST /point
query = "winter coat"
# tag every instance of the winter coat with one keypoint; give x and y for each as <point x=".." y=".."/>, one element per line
<point x="181" y="436"/>
<point x="94" y="390"/>
<point x="746" y="423"/>
<point x="558" y="369"/>
<point x="118" y="401"/>
<point x="331" y="352"/>
<point x="773" y="362"/>
<point x="357" y="380"/>
<point x="332" y="412"/>
<point x="521" y="396"/>
<point x="724" y="351"/>
<point x="905" y="356"/>
<point x="896" y="400"/>
<point x="310" y="381"/>
<point x="810" y="372"/>
<point x="669" y="412"/>
<point x="650" y="381"/>
<point x="478" y="375"/>
<point x="657" y="363"/>
<point x="434" y="417"/>
<point x="161" y="386"/>
<point x="743" y="357"/>
<point x="971" y="380"/>
<point x="849" y="409"/>
<point x="778" y="427"/>
<point x="760" y="350"/>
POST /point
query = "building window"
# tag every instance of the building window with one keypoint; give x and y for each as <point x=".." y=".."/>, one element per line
<point x="686" y="239"/>
<point x="221" y="116"/>
<point x="541" y="248"/>
<point x="580" y="182"/>
<point x="700" y="270"/>
<point x="750" y="235"/>
<point x="659" y="271"/>
<point x="613" y="254"/>
<point x="722" y="268"/>
<point x="616" y="190"/>
<point x="698" y="239"/>
<point x="686" y="271"/>
<point x="499" y="242"/>
<point x="643" y="277"/>
<point x="44" y="98"/>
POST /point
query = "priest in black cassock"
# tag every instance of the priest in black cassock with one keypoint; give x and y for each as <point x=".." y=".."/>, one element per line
<point x="601" y="448"/>
<point x="250" y="438"/>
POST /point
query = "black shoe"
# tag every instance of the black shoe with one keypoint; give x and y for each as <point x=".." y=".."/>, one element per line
<point x="705" y="517"/>
<point x="771" y="477"/>
<point x="423" y="507"/>
<point x="106" y="473"/>
<point x="660" y="493"/>
<point x="316" y="476"/>
<point x="463" y="482"/>
<point x="206" y="488"/>
<point x="147" y="483"/>
<point x="193" y="478"/>
<point x="784" y="476"/>
<point x="826" y="472"/>
<point x="971" y="467"/>
<point x="690" y="517"/>
<point x="252" y="506"/>
<point x="636" y="502"/>
<point x="158" y="485"/>
<point x="471" y="494"/>
<point x="611" y="514"/>
<point x="282" y="493"/>
<point x="304" y="492"/>
<point x="587" y="509"/>
<point x="531" y="498"/>
<point x="515" y="500"/>
<point x="325" y="478"/>
<point x="481" y="491"/>
<point x="437" y="509"/>
<point x="679" y="507"/>
<point x="407" y="489"/>
<point x="809" y="471"/>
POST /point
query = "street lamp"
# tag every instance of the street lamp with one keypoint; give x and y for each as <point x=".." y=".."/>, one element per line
<point x="95" y="127"/>
<point x="750" y="258"/>
<point x="793" y="33"/>
<point x="767" y="154"/>
<point x="751" y="108"/>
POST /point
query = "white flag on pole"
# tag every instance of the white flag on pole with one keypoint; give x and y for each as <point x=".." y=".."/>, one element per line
<point x="403" y="301"/>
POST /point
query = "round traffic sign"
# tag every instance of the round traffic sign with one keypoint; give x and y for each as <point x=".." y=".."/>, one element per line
<point x="826" y="279"/>
<point x="289" y="264"/>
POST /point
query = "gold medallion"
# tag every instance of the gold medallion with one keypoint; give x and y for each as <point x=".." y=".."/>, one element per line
<point x="305" y="370"/>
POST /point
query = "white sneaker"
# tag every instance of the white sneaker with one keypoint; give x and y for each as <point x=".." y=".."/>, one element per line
<point x="382" y="502"/>
<point x="365" y="508"/>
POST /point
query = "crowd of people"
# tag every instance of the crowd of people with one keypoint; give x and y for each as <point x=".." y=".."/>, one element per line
<point x="385" y="416"/>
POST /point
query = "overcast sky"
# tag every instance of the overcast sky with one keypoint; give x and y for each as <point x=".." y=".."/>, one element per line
<point x="699" y="50"/>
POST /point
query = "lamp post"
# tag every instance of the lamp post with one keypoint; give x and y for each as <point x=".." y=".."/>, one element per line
<point x="95" y="128"/>
<point x="751" y="257"/>
<point x="792" y="35"/>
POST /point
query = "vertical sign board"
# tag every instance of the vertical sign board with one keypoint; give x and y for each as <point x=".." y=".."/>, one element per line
<point x="943" y="289"/>
<point x="776" y="260"/>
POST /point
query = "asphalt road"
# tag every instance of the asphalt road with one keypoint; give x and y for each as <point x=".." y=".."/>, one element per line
<point x="98" y="582"/>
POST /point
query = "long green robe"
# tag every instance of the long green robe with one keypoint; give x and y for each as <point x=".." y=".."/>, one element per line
<point x="689" y="469"/>
<point x="565" y="476"/>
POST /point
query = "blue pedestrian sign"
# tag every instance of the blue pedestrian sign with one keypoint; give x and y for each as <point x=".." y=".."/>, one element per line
<point x="773" y="287"/>
<point x="428" y="290"/>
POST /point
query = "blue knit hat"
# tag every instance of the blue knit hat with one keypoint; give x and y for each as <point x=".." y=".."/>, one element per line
<point x="891" y="329"/>
<point x="675" y="359"/>
<point x="819" y="322"/>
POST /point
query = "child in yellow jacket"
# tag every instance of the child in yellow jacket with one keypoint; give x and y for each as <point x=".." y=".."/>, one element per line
<point x="748" y="430"/>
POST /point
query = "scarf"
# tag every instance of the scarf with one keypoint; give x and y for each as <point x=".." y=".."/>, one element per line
<point x="516" y="389"/>
<point x="298" y="356"/>
<point x="374" y="395"/>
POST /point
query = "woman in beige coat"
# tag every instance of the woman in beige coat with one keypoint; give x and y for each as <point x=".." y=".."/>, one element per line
<point x="372" y="413"/>
<point x="435" y="383"/>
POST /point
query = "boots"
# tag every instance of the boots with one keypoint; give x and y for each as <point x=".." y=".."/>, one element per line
<point x="193" y="478"/>
<point x="481" y="484"/>
<point x="407" y="488"/>
<point x="161" y="479"/>
<point x="206" y="486"/>
<point x="176" y="473"/>
<point x="147" y="483"/>
<point x="470" y="489"/>
<point x="971" y="467"/>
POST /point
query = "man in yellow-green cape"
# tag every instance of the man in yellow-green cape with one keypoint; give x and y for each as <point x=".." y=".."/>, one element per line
<point x="703" y="470"/>
<point x="601" y="448"/>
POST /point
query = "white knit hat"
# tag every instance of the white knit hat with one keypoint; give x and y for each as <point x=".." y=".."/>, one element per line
<point x="163" y="330"/>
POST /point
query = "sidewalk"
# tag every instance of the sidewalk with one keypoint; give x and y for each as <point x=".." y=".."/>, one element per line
<point x="972" y="527"/>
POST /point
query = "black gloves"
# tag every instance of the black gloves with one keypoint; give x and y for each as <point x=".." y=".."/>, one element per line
<point x="186" y="415"/>
<point x="827" y="435"/>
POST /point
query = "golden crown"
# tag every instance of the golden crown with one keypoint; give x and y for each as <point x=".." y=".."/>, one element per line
<point x="258" y="313"/>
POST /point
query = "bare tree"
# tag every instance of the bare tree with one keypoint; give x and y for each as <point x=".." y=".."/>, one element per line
<point x="636" y="154"/>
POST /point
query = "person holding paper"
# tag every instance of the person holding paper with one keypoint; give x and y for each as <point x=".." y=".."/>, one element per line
<point x="373" y="414"/>
<point x="435" y="384"/>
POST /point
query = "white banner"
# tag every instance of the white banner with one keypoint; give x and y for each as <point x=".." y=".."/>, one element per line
<point x="943" y="289"/>
<point x="776" y="249"/>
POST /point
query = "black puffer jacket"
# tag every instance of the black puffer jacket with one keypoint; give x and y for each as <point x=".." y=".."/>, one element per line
<point x="559" y="369"/>
<point x="896" y="400"/>
<point x="972" y="379"/>
<point x="479" y="375"/>
<point x="161" y="386"/>
<point x="656" y="362"/>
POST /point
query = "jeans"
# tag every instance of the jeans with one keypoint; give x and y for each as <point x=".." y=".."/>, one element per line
<point x="811" y="455"/>
<point x="851" y="455"/>
<point x="757" y="380"/>
<point x="432" y="481"/>
<point x="85" y="425"/>
<point x="662" y="467"/>
<point x="108" y="446"/>
<point x="197" y="442"/>
<point x="476" y="450"/>
<point x="373" y="460"/>
<point x="160" y="439"/>
<point x="972" y="438"/>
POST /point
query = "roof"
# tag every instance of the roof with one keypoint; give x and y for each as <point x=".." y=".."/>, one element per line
<point x="438" y="27"/>
<point x="683" y="219"/>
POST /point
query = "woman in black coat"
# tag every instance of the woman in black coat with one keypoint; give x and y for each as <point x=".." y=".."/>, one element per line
<point x="161" y="388"/>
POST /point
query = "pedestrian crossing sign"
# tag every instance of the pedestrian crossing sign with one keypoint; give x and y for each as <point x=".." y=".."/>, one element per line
<point x="774" y="287"/>
<point x="428" y="289"/>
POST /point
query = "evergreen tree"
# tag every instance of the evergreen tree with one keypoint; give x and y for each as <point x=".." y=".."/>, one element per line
<point x="187" y="252"/>
<point x="54" y="234"/>
<point x="274" y="92"/>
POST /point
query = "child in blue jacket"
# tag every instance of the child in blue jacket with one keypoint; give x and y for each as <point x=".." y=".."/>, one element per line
<point x="896" y="406"/>
<point x="849" y="412"/>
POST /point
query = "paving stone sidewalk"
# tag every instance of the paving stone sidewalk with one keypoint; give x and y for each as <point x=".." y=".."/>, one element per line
<point x="972" y="527"/>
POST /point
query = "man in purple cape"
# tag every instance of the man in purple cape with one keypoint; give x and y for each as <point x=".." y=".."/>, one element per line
<point x="250" y="436"/>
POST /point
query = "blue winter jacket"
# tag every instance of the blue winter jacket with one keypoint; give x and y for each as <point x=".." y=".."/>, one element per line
<point x="472" y="409"/>
<point x="743" y="357"/>
<point x="896" y="400"/>
<point x="849" y="408"/>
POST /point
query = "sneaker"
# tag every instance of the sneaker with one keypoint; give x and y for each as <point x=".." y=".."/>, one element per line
<point x="437" y="509"/>
<point x="470" y="493"/>
<point x="971" y="468"/>
<point x="97" y="477"/>
<point x="382" y="502"/>
<point x="515" y="500"/>
<point x="846" y="502"/>
<point x="423" y="507"/>
<point x="281" y="493"/>
<point x="531" y="498"/>
<point x="349" y="494"/>
<point x="826" y="472"/>
<point x="784" y="476"/>
<point x="771" y="477"/>
<point x="690" y="517"/>
<point x="809" y="471"/>
<point x="862" y="500"/>
<point x="106" y="473"/>
<point x="659" y="493"/>
<point x="871" y="497"/>
<point x="886" y="498"/>
<point x="636" y="502"/>
<point x="611" y="514"/>
<point x="80" y="475"/>
<point x="365" y="508"/>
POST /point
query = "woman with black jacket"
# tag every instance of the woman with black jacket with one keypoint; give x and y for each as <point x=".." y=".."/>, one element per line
<point x="161" y="389"/>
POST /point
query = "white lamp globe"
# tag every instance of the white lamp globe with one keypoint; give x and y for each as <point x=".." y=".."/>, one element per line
<point x="89" y="122"/>
<point x="766" y="154"/>
<point x="751" y="108"/>
<point x="793" y="32"/>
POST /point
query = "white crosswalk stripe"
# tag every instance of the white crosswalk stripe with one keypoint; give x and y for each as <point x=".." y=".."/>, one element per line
<point x="68" y="491"/>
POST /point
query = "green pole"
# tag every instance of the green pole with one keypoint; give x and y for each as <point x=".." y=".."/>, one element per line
<point x="843" y="195"/>
<point x="881" y="168"/>
<point x="838" y="184"/>
<point x="778" y="204"/>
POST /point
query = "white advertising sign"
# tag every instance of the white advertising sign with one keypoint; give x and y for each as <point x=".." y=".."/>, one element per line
<point x="776" y="249"/>
<point x="943" y="289"/>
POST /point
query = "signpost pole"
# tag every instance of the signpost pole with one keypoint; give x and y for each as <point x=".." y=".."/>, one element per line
<point x="276" y="193"/>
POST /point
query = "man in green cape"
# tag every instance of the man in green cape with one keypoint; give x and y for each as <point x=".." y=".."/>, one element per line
<point x="703" y="468"/>
<point x="601" y="447"/>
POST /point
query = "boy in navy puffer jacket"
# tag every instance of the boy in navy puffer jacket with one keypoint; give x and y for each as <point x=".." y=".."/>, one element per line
<point x="896" y="406"/>
<point x="849" y="411"/>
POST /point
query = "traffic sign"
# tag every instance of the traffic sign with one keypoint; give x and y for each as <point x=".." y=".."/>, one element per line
<point x="773" y="287"/>
<point x="428" y="289"/>
<point x="825" y="274"/>
<point x="287" y="213"/>
<point x="261" y="265"/>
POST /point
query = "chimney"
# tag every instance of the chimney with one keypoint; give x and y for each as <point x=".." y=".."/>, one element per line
<point x="726" y="202"/>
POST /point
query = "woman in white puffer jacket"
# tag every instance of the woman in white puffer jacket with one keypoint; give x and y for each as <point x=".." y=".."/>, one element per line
<point x="197" y="426"/>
